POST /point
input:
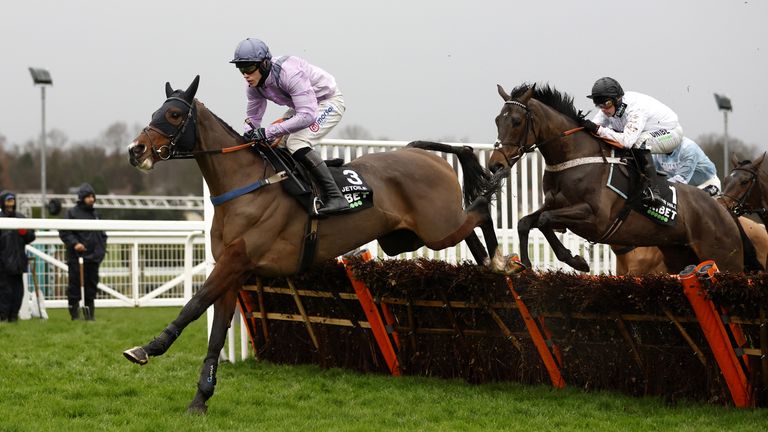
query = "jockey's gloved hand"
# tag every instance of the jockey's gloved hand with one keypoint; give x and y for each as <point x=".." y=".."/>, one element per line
<point x="589" y="126"/>
<point x="259" y="135"/>
<point x="712" y="190"/>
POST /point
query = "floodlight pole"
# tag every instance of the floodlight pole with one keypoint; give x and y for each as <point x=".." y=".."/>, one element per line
<point x="724" y="105"/>
<point x="725" y="142"/>
<point x="42" y="155"/>
<point x="43" y="78"/>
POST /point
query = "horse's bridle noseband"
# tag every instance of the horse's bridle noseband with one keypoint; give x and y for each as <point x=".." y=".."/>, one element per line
<point x="172" y="149"/>
<point x="741" y="207"/>
<point x="521" y="148"/>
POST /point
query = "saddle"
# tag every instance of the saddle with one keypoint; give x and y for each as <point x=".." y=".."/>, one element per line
<point x="300" y="183"/>
<point x="626" y="181"/>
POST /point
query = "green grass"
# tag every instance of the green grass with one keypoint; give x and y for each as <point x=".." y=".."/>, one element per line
<point x="61" y="375"/>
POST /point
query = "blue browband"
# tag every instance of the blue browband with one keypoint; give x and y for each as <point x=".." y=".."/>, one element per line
<point x="221" y="199"/>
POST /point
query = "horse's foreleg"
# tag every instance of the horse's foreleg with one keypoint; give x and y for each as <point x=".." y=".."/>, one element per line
<point x="524" y="226"/>
<point x="562" y="253"/>
<point x="223" y="310"/>
<point x="563" y="217"/>
<point x="231" y="270"/>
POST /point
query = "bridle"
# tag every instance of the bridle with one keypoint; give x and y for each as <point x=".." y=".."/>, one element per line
<point x="179" y="144"/>
<point x="741" y="207"/>
<point x="173" y="148"/>
<point x="522" y="149"/>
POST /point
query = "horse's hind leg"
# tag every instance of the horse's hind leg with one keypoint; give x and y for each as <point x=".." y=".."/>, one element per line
<point x="489" y="232"/>
<point x="231" y="270"/>
<point x="474" y="216"/>
<point x="223" y="310"/>
<point x="476" y="248"/>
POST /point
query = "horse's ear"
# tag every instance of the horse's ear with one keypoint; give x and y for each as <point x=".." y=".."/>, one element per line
<point x="502" y="92"/>
<point x="168" y="89"/>
<point x="189" y="93"/>
<point x="528" y="94"/>
<point x="759" y="161"/>
<point x="734" y="160"/>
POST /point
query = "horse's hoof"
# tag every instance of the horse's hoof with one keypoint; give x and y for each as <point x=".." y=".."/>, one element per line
<point x="136" y="355"/>
<point x="514" y="265"/>
<point x="198" y="409"/>
<point x="579" y="264"/>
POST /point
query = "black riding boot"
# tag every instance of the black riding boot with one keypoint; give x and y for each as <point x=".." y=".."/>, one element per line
<point x="647" y="169"/>
<point x="333" y="200"/>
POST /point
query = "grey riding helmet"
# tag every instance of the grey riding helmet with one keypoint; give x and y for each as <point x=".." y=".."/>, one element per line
<point x="251" y="51"/>
<point x="606" y="88"/>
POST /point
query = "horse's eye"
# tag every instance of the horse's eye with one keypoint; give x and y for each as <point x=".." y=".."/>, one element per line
<point x="744" y="182"/>
<point x="175" y="114"/>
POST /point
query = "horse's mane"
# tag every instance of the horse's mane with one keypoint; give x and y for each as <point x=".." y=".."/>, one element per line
<point x="231" y="130"/>
<point x="549" y="96"/>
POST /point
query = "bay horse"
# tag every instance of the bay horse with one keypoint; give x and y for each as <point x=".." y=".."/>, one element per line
<point x="417" y="201"/>
<point x="575" y="196"/>
<point x="745" y="189"/>
<point x="648" y="259"/>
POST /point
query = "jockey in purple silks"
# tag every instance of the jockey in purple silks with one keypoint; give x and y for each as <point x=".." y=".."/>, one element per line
<point x="315" y="104"/>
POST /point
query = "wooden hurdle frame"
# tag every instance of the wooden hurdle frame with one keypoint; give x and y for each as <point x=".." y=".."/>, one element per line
<point x="722" y="333"/>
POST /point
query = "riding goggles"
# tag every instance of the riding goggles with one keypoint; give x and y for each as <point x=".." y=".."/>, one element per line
<point x="248" y="69"/>
<point x="604" y="103"/>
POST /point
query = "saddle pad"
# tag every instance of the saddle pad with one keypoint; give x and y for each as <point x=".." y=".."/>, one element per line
<point x="664" y="214"/>
<point x="354" y="188"/>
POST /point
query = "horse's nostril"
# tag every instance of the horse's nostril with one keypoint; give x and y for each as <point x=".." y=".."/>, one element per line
<point x="138" y="149"/>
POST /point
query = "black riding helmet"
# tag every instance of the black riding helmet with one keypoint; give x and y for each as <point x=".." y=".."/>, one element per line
<point x="604" y="89"/>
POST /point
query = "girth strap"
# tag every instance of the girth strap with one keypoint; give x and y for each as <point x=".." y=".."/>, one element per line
<point x="584" y="161"/>
<point x="221" y="199"/>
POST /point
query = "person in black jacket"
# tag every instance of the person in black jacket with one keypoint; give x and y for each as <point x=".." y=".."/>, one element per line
<point x="13" y="261"/>
<point x="91" y="245"/>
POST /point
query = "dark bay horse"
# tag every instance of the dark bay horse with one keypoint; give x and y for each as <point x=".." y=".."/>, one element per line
<point x="417" y="201"/>
<point x="575" y="196"/>
<point x="745" y="189"/>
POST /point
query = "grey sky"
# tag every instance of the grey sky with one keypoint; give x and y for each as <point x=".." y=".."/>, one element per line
<point x="408" y="69"/>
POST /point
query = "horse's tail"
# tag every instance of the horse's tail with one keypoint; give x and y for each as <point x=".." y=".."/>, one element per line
<point x="478" y="181"/>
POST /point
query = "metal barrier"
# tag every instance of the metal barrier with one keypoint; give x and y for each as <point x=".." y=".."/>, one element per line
<point x="148" y="263"/>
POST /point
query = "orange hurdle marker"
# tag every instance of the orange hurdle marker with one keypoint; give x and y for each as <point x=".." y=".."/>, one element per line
<point x="715" y="333"/>
<point x="374" y="318"/>
<point x="538" y="340"/>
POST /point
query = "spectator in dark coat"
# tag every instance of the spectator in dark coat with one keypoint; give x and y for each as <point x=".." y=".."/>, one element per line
<point x="13" y="260"/>
<point x="91" y="245"/>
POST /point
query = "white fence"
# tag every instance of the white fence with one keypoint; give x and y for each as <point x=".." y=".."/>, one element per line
<point x="520" y="196"/>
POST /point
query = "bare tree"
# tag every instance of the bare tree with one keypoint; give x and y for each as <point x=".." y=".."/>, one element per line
<point x="712" y="144"/>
